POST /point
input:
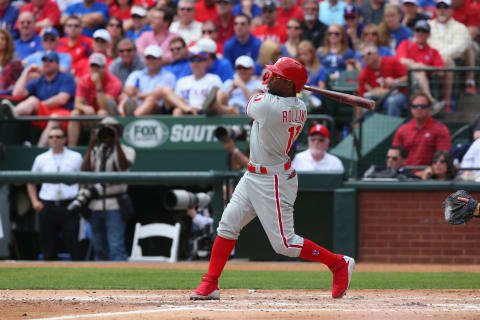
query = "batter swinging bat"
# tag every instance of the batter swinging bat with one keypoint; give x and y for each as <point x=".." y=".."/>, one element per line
<point x="344" y="97"/>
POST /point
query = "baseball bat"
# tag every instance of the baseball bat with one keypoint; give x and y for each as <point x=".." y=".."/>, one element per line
<point x="344" y="97"/>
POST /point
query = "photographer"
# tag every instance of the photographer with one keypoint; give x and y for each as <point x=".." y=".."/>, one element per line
<point x="52" y="201"/>
<point x="105" y="153"/>
<point x="227" y="136"/>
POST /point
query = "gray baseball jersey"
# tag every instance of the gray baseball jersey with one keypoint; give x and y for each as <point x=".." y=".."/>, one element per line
<point x="269" y="188"/>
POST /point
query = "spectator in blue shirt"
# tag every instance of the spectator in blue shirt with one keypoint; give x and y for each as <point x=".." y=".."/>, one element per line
<point x="180" y="66"/>
<point x="219" y="66"/>
<point x="336" y="56"/>
<point x="8" y="16"/>
<point x="139" y="21"/>
<point x="242" y="43"/>
<point x="370" y="34"/>
<point x="29" y="42"/>
<point x="331" y="11"/>
<point x="392" y="29"/>
<point x="51" y="94"/>
<point x="50" y="43"/>
<point x="251" y="9"/>
<point x="93" y="14"/>
<point x="138" y="96"/>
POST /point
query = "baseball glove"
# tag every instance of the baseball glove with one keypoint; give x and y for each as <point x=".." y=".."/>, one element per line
<point x="460" y="207"/>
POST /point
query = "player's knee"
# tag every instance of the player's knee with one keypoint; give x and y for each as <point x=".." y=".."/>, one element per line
<point x="227" y="232"/>
<point x="285" y="250"/>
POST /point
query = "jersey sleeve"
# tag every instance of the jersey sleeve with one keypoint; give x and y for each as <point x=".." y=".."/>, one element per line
<point x="256" y="107"/>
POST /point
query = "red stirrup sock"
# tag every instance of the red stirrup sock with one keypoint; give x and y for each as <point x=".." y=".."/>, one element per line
<point x="220" y="252"/>
<point x="313" y="252"/>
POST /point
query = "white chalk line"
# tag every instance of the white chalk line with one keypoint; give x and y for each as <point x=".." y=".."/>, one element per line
<point x="191" y="308"/>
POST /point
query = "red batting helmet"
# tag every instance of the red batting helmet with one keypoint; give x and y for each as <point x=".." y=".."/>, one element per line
<point x="290" y="69"/>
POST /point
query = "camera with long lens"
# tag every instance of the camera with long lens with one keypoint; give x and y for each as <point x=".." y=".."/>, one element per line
<point x="183" y="199"/>
<point x="83" y="198"/>
<point x="105" y="134"/>
<point x="236" y="132"/>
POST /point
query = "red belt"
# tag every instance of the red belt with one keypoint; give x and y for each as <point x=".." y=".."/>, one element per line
<point x="264" y="170"/>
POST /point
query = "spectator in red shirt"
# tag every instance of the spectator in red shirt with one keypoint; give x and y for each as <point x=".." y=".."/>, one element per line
<point x="422" y="136"/>
<point x="46" y="12"/>
<point x="224" y="20"/>
<point x="205" y="10"/>
<point x="101" y="43"/>
<point x="74" y="43"/>
<point x="417" y="53"/>
<point x="270" y="29"/>
<point x="379" y="75"/>
<point x="465" y="11"/>
<point x="288" y="10"/>
<point x="121" y="9"/>
<point x="93" y="92"/>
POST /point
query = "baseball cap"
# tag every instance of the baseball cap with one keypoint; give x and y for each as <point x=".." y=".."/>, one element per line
<point x="445" y="2"/>
<point x="98" y="59"/>
<point x="320" y="129"/>
<point x="154" y="51"/>
<point x="350" y="10"/>
<point x="423" y="25"/>
<point x="415" y="2"/>
<point x="244" y="61"/>
<point x="139" y="11"/>
<point x="50" y="31"/>
<point x="269" y="5"/>
<point x="207" y="45"/>
<point x="198" y="53"/>
<point x="102" y="34"/>
<point x="51" y="56"/>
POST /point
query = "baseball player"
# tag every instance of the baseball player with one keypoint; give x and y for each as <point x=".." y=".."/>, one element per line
<point x="269" y="187"/>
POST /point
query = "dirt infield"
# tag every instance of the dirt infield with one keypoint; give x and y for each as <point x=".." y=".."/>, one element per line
<point x="241" y="303"/>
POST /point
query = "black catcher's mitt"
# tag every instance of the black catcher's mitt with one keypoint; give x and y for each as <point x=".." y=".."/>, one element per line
<point x="458" y="211"/>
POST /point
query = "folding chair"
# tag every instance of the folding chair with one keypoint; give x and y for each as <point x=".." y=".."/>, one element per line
<point x="155" y="230"/>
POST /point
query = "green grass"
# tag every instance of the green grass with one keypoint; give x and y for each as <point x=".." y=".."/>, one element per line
<point x="157" y="279"/>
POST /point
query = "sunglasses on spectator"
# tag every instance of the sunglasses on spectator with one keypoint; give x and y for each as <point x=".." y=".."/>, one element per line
<point x="349" y="17"/>
<point x="442" y="6"/>
<point x="100" y="40"/>
<point x="316" y="139"/>
<point x="366" y="54"/>
<point x="239" y="23"/>
<point x="73" y="25"/>
<point x="48" y="60"/>
<point x="197" y="59"/>
<point x="185" y="9"/>
<point x="439" y="161"/>
<point x="333" y="33"/>
<point x="49" y="39"/>
<point x="392" y="157"/>
<point x="173" y="49"/>
<point x="126" y="50"/>
<point x="208" y="31"/>
<point x="136" y="16"/>
<point x="151" y="58"/>
<point x="241" y="68"/>
<point x="294" y="27"/>
<point x="94" y="65"/>
<point x="419" y="106"/>
<point x="56" y="137"/>
<point x="114" y="25"/>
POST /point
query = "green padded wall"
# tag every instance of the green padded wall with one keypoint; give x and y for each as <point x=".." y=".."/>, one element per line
<point x="377" y="136"/>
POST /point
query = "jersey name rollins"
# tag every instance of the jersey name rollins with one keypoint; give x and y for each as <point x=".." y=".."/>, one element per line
<point x="294" y="115"/>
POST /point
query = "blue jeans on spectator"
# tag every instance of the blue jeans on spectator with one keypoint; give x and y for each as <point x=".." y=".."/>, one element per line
<point x="396" y="104"/>
<point x="108" y="235"/>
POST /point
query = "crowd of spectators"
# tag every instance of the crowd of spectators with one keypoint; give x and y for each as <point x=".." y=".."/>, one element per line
<point x="380" y="40"/>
